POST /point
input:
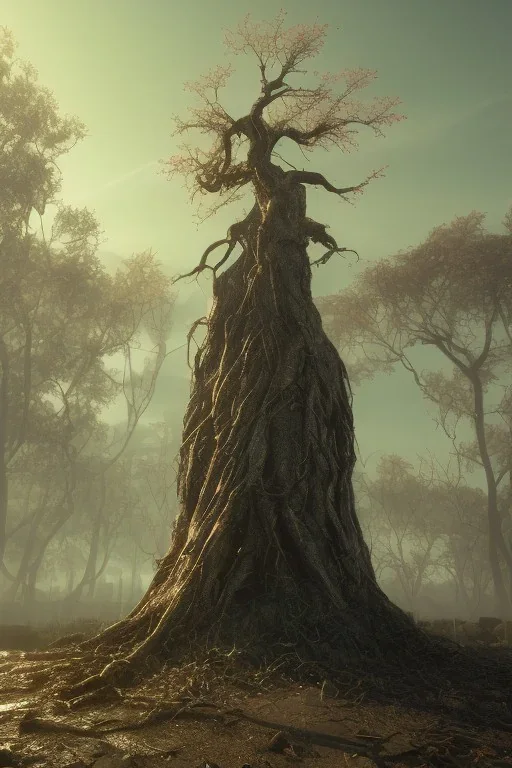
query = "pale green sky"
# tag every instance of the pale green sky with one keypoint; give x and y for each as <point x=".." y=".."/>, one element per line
<point x="120" y="66"/>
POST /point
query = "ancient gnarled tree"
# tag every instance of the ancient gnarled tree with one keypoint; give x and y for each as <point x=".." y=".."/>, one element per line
<point x="267" y="553"/>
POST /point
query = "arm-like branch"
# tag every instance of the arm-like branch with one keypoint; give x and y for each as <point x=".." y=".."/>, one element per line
<point x="202" y="264"/>
<point x="236" y="234"/>
<point x="311" y="177"/>
<point x="305" y="138"/>
<point x="220" y="168"/>
<point x="318" y="234"/>
<point x="327" y="255"/>
<point x="271" y="90"/>
<point x="324" y="129"/>
<point x="266" y="100"/>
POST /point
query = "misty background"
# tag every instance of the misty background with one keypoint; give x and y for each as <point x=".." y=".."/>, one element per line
<point x="120" y="66"/>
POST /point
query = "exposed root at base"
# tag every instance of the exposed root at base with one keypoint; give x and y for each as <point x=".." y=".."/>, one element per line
<point x="468" y="684"/>
<point x="441" y="743"/>
<point x="207" y="710"/>
<point x="294" y="642"/>
<point x="466" y="693"/>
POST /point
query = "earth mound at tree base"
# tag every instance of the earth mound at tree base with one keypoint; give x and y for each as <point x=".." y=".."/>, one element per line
<point x="216" y="705"/>
<point x="420" y="670"/>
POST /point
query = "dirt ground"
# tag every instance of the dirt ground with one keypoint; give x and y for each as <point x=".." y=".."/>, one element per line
<point x="254" y="721"/>
<point x="275" y="726"/>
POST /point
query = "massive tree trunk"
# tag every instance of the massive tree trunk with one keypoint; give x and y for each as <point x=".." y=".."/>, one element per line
<point x="268" y="551"/>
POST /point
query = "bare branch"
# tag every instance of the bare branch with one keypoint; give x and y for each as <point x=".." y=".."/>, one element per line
<point x="326" y="256"/>
<point x="236" y="234"/>
<point x="202" y="264"/>
<point x="309" y="117"/>
<point x="305" y="138"/>
<point x="319" y="117"/>
<point x="318" y="234"/>
<point x="275" y="46"/>
<point x="317" y="179"/>
<point x="267" y="99"/>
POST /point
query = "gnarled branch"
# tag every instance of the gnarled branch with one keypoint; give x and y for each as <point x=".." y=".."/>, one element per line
<point x="326" y="256"/>
<point x="268" y="98"/>
<point x="318" y="234"/>
<point x="202" y="264"/>
<point x="304" y="138"/>
<point x="222" y="166"/>
<point x="312" y="177"/>
<point x="235" y="234"/>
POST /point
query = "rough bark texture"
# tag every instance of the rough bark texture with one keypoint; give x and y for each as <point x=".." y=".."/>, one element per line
<point x="268" y="552"/>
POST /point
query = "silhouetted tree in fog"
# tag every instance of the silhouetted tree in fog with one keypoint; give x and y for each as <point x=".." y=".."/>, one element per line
<point x="61" y="317"/>
<point x="452" y="293"/>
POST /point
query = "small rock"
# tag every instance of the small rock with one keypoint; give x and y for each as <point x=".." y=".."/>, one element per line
<point x="113" y="761"/>
<point x="471" y="630"/>
<point x="443" y="627"/>
<point x="488" y="623"/>
<point x="19" y="638"/>
<point x="8" y="759"/>
<point x="503" y="632"/>
<point x="63" y="642"/>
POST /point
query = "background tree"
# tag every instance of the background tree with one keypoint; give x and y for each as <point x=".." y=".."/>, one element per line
<point x="58" y="380"/>
<point x="465" y="557"/>
<point x="408" y="521"/>
<point x="454" y="294"/>
<point x="423" y="526"/>
<point x="149" y="483"/>
<point x="62" y="316"/>
<point x="154" y="476"/>
<point x="32" y="138"/>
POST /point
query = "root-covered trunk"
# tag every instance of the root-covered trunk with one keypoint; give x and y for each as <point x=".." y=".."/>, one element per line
<point x="267" y="550"/>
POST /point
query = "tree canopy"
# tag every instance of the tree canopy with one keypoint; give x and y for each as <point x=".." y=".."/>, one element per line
<point x="62" y="319"/>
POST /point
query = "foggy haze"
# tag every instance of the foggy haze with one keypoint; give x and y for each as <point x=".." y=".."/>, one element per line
<point x="120" y="67"/>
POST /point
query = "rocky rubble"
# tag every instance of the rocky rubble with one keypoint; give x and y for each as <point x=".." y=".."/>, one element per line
<point x="488" y="629"/>
<point x="22" y="637"/>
